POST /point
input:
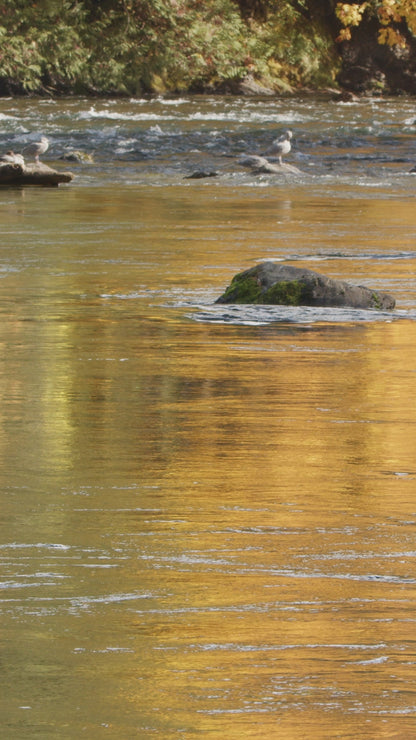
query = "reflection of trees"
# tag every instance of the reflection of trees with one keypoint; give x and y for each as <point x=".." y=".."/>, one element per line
<point x="144" y="397"/>
<point x="262" y="443"/>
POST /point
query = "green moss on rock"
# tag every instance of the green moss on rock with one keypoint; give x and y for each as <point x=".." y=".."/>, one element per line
<point x="286" y="292"/>
<point x="278" y="284"/>
<point x="246" y="288"/>
<point x="243" y="289"/>
<point x="375" y="301"/>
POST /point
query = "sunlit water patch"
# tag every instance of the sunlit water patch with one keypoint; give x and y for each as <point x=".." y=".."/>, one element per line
<point x="207" y="511"/>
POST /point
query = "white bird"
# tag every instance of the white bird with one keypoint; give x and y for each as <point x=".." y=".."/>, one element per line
<point x="12" y="158"/>
<point x="281" y="146"/>
<point x="37" y="148"/>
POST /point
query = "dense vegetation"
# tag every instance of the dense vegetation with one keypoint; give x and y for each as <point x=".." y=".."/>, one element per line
<point x="137" y="46"/>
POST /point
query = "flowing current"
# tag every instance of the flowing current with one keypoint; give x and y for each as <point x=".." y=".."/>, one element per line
<point x="208" y="512"/>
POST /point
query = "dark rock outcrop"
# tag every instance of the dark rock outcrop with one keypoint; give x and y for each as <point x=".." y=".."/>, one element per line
<point x="371" y="67"/>
<point x="274" y="283"/>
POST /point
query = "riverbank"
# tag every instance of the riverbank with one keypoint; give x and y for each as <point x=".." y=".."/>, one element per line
<point x="226" y="46"/>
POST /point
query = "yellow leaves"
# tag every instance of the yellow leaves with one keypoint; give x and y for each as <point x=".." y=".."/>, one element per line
<point x="397" y="10"/>
<point x="350" y="14"/>
<point x="390" y="37"/>
<point x="389" y="12"/>
<point x="344" y="34"/>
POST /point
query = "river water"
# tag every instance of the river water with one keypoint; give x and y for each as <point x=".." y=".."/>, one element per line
<point x="208" y="513"/>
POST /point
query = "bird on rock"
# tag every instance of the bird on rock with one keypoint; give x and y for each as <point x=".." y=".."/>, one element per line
<point x="281" y="146"/>
<point x="37" y="148"/>
<point x="12" y="158"/>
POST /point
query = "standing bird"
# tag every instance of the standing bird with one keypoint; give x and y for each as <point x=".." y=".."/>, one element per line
<point x="37" y="148"/>
<point x="281" y="146"/>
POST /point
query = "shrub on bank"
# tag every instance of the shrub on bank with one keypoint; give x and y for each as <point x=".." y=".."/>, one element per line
<point x="136" y="46"/>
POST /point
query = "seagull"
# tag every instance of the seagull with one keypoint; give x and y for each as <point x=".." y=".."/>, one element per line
<point x="12" y="158"/>
<point x="37" y="148"/>
<point x="281" y="146"/>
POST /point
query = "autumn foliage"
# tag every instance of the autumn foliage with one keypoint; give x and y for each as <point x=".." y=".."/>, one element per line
<point x="391" y="14"/>
<point x="139" y="46"/>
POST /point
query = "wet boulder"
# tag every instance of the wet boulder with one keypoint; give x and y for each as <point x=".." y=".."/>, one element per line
<point x="276" y="283"/>
<point x="19" y="174"/>
<point x="262" y="166"/>
<point x="77" y="156"/>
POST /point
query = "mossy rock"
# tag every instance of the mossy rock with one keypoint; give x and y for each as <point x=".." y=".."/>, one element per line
<point x="243" y="289"/>
<point x="246" y="289"/>
<point x="276" y="284"/>
<point x="287" y="292"/>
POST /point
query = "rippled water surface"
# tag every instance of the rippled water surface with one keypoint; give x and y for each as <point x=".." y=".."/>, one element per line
<point x="208" y="512"/>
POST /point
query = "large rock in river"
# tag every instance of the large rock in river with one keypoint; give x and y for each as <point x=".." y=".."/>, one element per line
<point x="18" y="174"/>
<point x="274" y="283"/>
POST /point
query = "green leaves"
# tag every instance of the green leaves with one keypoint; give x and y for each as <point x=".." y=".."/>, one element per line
<point x="133" y="46"/>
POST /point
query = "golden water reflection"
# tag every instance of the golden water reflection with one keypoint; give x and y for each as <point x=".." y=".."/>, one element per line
<point x="208" y="529"/>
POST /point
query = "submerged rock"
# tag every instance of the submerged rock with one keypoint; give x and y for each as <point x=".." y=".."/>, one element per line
<point x="77" y="156"/>
<point x="273" y="283"/>
<point x="200" y="174"/>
